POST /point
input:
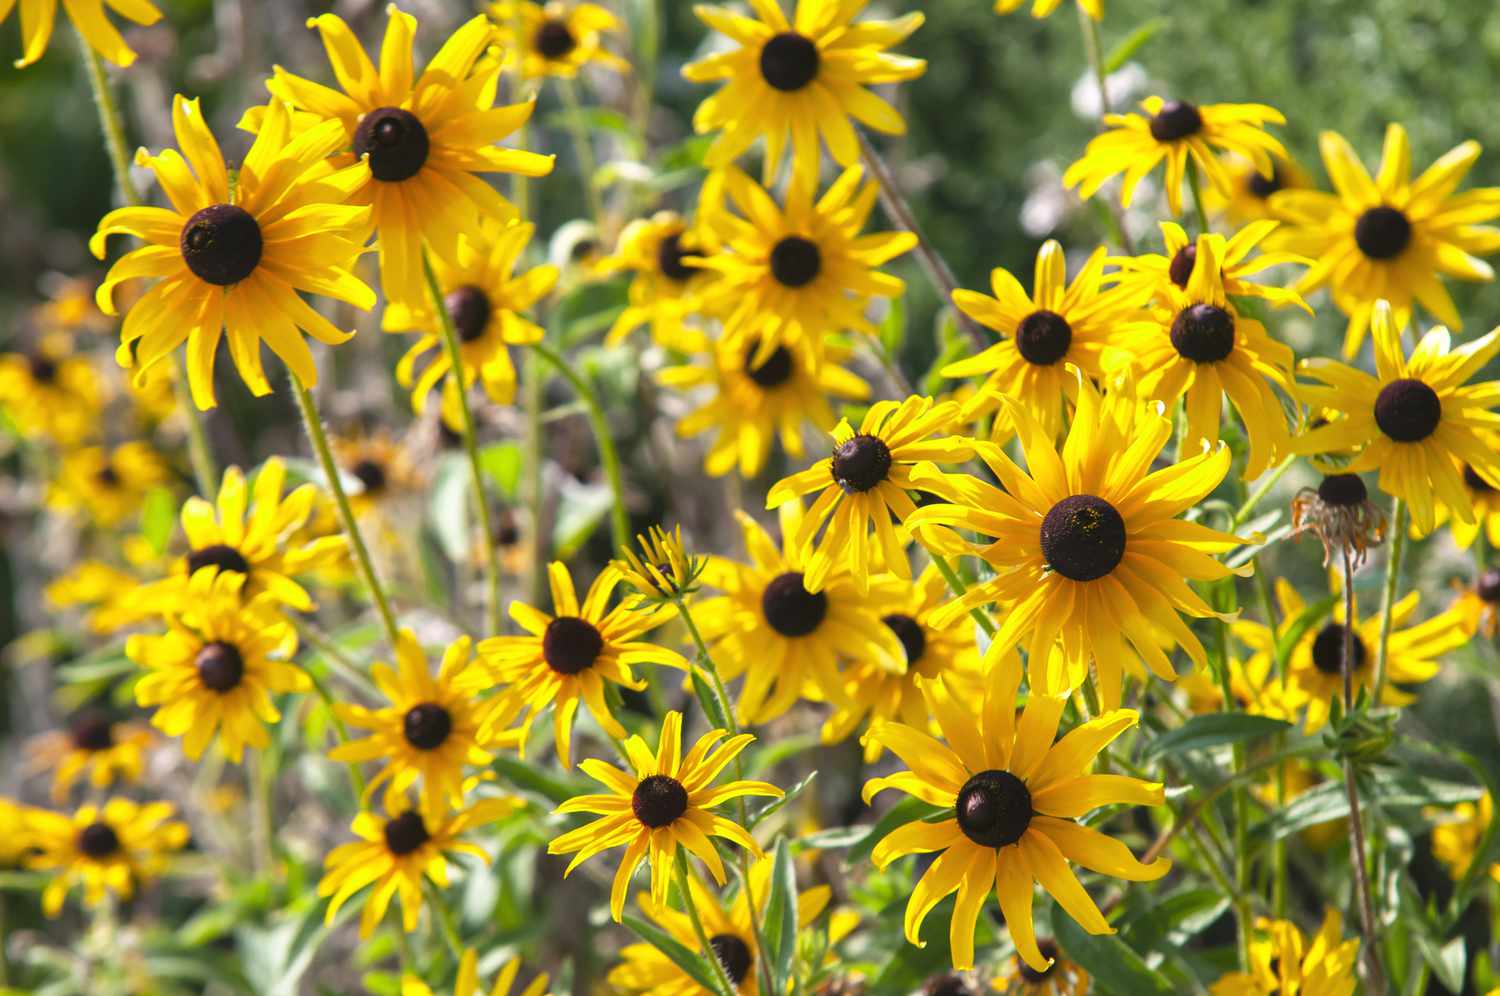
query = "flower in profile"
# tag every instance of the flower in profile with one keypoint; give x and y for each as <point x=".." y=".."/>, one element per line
<point x="1061" y="978"/>
<point x="664" y="802"/>
<point x="1283" y="961"/>
<point x="108" y="486"/>
<point x="1340" y="513"/>
<point x="662" y="570"/>
<point x="1088" y="547"/>
<point x="88" y="17"/>
<point x="433" y="727"/>
<point x="1457" y="835"/>
<point x="109" y="850"/>
<point x="567" y="658"/>
<point x="1484" y="496"/>
<point x="1250" y="193"/>
<point x="784" y="640"/>
<point x="1479" y="603"/>
<point x="396" y="852"/>
<point x="1155" y="276"/>
<point x="51" y="395"/>
<point x="666" y="287"/>
<point x="555" y="38"/>
<point x="1181" y="135"/>
<point x="758" y="401"/>
<point x="731" y="935"/>
<point x="1412" y="419"/>
<point x="230" y="259"/>
<point x="484" y="297"/>
<point x="1198" y="346"/>
<point x="788" y="277"/>
<point x="93" y="744"/>
<point x="1390" y="238"/>
<point x="1058" y="323"/>
<point x="217" y="667"/>
<point x="1014" y="797"/>
<point x="864" y="485"/>
<point x="467" y="983"/>
<point x="1044" y="8"/>
<point x="421" y="140"/>
<point x="800" y="81"/>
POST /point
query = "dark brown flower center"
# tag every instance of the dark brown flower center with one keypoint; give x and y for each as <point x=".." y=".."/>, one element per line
<point x="371" y="474"/>
<point x="1475" y="482"/>
<point x="1043" y="338"/>
<point x="659" y="800"/>
<point x="570" y="645"/>
<point x="948" y="984"/>
<point x="1181" y="267"/>
<point x="1342" y="490"/>
<point x="1203" y="333"/>
<point x="790" y="609"/>
<point x="507" y="532"/>
<point x="553" y="39"/>
<point x="909" y="632"/>
<point x="220" y="666"/>
<point x="789" y="61"/>
<point x="1049" y="951"/>
<point x="994" y="808"/>
<point x="43" y="370"/>
<point x="777" y="369"/>
<point x="1488" y="585"/>
<point x="1382" y="232"/>
<point x="91" y="730"/>
<point x="1083" y="538"/>
<point x="734" y="954"/>
<point x="393" y="142"/>
<point x="1177" y="119"/>
<point x="426" y="726"/>
<point x="221" y="244"/>
<point x="405" y="833"/>
<point x="795" y="261"/>
<point x="1264" y="186"/>
<point x="1407" y="410"/>
<point x="861" y="463"/>
<point x="107" y="477"/>
<point x="1328" y="649"/>
<point x="470" y="309"/>
<point x="669" y="256"/>
<point x="225" y="558"/>
<point x="98" y="840"/>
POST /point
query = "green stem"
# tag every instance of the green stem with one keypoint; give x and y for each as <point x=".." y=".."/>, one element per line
<point x="471" y="447"/>
<point x="584" y="149"/>
<point x="313" y="423"/>
<point x="1248" y="508"/>
<point x="356" y="780"/>
<point x="619" y="523"/>
<point x="721" y="977"/>
<point x="444" y="918"/>
<point x="534" y="382"/>
<point x="1197" y="188"/>
<point x="261" y="780"/>
<point x="957" y="586"/>
<point x="1388" y="596"/>
<point x="1278" y="850"/>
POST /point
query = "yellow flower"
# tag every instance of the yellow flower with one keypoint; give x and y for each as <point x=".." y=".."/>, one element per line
<point x="799" y="80"/>
<point x="1412" y="419"/>
<point x="1479" y="605"/>
<point x="665" y="801"/>
<point x="109" y="849"/>
<point x="38" y="16"/>
<point x="1154" y="276"/>
<point x="567" y="658"/>
<point x="663" y="569"/>
<point x="1044" y="8"/>
<point x="1040" y="334"/>
<point x="1456" y="836"/>
<point x="756" y="403"/>
<point x="557" y="38"/>
<point x="108" y="485"/>
<point x="111" y="594"/>
<point x="1061" y="978"/>
<point x="420" y="144"/>
<point x="1088" y="547"/>
<point x="791" y="276"/>
<point x="666" y="288"/>
<point x="786" y="641"/>
<point x="431" y="729"/>
<point x="382" y="466"/>
<point x="51" y="396"/>
<point x="1485" y="499"/>
<point x="484" y="298"/>
<point x="93" y="744"/>
<point x="1180" y="134"/>
<point x="1013" y="798"/>
<point x="1391" y="237"/>
<point x="1250" y="193"/>
<point x="70" y="307"/>
<point x="231" y="259"/>
<point x="217" y="666"/>
<point x="1282" y="961"/>
<point x="394" y="854"/>
<point x="467" y="983"/>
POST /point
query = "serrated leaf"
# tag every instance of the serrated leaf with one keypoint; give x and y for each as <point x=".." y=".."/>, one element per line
<point x="781" y="916"/>
<point x="1122" y="52"/>
<point x="691" y="962"/>
<point x="1213" y="730"/>
<point x="1115" y="967"/>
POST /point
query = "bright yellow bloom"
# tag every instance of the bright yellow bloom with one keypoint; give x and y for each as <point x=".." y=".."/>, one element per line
<point x="70" y="307"/>
<point x="800" y="81"/>
<point x="93" y="744"/>
<point x="666" y="289"/>
<point x="557" y="38"/>
<point x="1456" y="836"/>
<point x="1015" y="796"/>
<point x="1282" y="961"/>
<point x="1250" y="194"/>
<point x="383" y="467"/>
<point x="1485" y="498"/>
<point x="1390" y="238"/>
<point x="38" y="17"/>
<point x="49" y="395"/>
<point x="662" y="569"/>
<point x="1479" y="604"/>
<point x="467" y="983"/>
<point x="231" y="260"/>
<point x="1044" y="8"/>
<point x="1154" y="276"/>
<point x="1180" y="134"/>
<point x="108" y="486"/>
<point x="663" y="802"/>
<point x="110" y="593"/>
<point x="109" y="849"/>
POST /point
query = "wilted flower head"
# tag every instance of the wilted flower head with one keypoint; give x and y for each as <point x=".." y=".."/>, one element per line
<point x="1339" y="512"/>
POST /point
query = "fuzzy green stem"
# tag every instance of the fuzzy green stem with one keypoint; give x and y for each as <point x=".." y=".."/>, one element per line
<point x="1388" y="596"/>
<point x="1258" y="495"/>
<point x="1197" y="188"/>
<point x="723" y="983"/>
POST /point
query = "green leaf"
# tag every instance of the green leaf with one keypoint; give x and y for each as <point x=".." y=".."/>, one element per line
<point x="780" y="923"/>
<point x="501" y="463"/>
<point x="158" y="516"/>
<point x="1309" y="617"/>
<point x="771" y="807"/>
<point x="1213" y="730"/>
<point x="448" y="508"/>
<point x="592" y="119"/>
<point x="581" y="507"/>
<point x="712" y="708"/>
<point x="893" y="328"/>
<point x="691" y="962"/>
<point x="1122" y="52"/>
<point x="1178" y="917"/>
<point x="528" y="776"/>
<point x="1115" y="967"/>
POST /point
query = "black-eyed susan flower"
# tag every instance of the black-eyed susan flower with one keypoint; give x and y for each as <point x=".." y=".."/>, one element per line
<point x="1195" y="344"/>
<point x="467" y="983"/>
<point x="1457" y="834"/>
<point x="1283" y="960"/>
<point x="800" y="81"/>
<point x="1390" y="238"/>
<point x="107" y="486"/>
<point x="485" y="298"/>
<point x="785" y="641"/>
<point x="1484" y="496"/>
<point x="1412" y="419"/>
<point x="1013" y="798"/>
<point x="1045" y="8"/>
<point x="666" y="288"/>
<point x="94" y="745"/>
<point x="217" y="666"/>
<point x="1058" y="323"/>
<point x="555" y="38"/>
<point x="230" y="258"/>
<point x="396" y="852"/>
<point x="88" y="16"/>
<point x="109" y="850"/>
<point x="1250" y="193"/>
<point x="788" y="277"/>
<point x="421" y="140"/>
<point x="863" y="486"/>
<point x="1479" y="603"/>
<point x="566" y="658"/>
<point x="1088" y="548"/>
<point x="1153" y="275"/>
<point x="50" y="395"/>
<point x="1179" y="134"/>
<point x="662" y="569"/>
<point x="433" y="727"/>
<point x="664" y="802"/>
<point x="755" y="402"/>
<point x="381" y="464"/>
<point x="1061" y="978"/>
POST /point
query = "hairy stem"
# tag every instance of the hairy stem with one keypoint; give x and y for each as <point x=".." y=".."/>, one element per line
<point x="1388" y="595"/>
